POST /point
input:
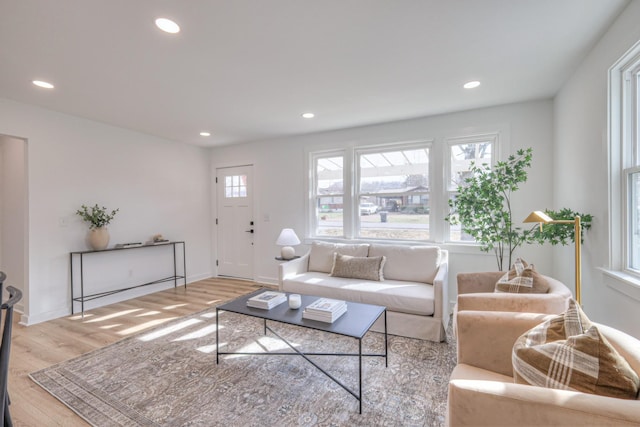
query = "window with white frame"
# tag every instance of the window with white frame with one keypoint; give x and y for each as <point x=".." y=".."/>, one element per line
<point x="630" y="150"/>
<point x="394" y="191"/>
<point x="328" y="194"/>
<point x="463" y="152"/>
<point x="393" y="183"/>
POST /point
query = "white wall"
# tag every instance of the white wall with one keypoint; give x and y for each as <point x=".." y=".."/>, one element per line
<point x="581" y="171"/>
<point x="159" y="187"/>
<point x="13" y="213"/>
<point x="279" y="171"/>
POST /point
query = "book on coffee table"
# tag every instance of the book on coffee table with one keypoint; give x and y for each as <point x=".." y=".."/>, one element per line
<point x="267" y="300"/>
<point x="325" y="310"/>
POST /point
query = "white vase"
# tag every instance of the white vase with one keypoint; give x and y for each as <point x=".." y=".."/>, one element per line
<point x="98" y="238"/>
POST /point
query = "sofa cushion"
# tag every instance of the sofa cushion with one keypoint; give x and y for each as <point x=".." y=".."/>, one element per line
<point x="321" y="254"/>
<point x="366" y="268"/>
<point x="567" y="352"/>
<point x="522" y="279"/>
<point x="410" y="263"/>
<point x="405" y="297"/>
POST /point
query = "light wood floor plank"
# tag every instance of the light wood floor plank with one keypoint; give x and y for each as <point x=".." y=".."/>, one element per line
<point x="42" y="345"/>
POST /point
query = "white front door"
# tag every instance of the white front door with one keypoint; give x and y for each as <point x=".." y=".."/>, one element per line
<point x="234" y="221"/>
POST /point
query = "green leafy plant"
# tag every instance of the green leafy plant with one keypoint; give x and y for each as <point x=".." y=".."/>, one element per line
<point x="483" y="205"/>
<point x="96" y="216"/>
<point x="561" y="234"/>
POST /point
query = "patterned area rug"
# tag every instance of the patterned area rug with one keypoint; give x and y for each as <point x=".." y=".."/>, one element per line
<point x="168" y="377"/>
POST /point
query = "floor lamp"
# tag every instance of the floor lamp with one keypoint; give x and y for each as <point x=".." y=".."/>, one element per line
<point x="542" y="218"/>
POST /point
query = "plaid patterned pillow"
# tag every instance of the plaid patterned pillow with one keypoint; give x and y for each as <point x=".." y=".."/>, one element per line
<point x="569" y="353"/>
<point x="522" y="279"/>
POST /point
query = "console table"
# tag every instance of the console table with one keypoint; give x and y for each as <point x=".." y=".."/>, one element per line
<point x="79" y="255"/>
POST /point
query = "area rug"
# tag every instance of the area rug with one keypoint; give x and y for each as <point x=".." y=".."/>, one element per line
<point x="168" y="377"/>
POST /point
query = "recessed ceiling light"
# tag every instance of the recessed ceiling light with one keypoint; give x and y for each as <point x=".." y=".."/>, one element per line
<point x="308" y="115"/>
<point x="471" y="85"/>
<point x="167" y="25"/>
<point x="205" y="133"/>
<point x="40" y="83"/>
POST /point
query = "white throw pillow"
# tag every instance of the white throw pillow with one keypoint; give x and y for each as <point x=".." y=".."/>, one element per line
<point x="321" y="254"/>
<point x="409" y="263"/>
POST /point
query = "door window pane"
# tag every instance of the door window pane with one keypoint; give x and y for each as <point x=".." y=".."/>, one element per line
<point x="235" y="186"/>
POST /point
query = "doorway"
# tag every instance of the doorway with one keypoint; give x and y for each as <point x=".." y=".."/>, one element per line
<point x="234" y="221"/>
<point x="14" y="215"/>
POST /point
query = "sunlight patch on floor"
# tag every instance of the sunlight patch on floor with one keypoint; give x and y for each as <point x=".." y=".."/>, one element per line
<point x="115" y="325"/>
<point x="208" y="315"/>
<point x="214" y="301"/>
<point x="262" y="345"/>
<point x="207" y="349"/>
<point x="80" y="316"/>
<point x="111" y="316"/>
<point x="146" y="325"/>
<point x="169" y="330"/>
<point x="172" y="307"/>
<point x="198" y="334"/>
<point x="148" y="313"/>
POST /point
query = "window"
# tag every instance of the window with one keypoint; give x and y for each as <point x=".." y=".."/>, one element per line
<point x="235" y="186"/>
<point x="624" y="146"/>
<point x="462" y="153"/>
<point x="630" y="119"/>
<point x="328" y="194"/>
<point x="395" y="191"/>
<point x="393" y="183"/>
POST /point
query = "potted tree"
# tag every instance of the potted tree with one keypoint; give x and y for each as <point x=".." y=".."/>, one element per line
<point x="98" y="219"/>
<point x="483" y="209"/>
<point x="483" y="205"/>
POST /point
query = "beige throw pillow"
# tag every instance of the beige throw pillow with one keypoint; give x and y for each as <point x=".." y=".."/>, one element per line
<point x="567" y="352"/>
<point x="522" y="279"/>
<point x="366" y="268"/>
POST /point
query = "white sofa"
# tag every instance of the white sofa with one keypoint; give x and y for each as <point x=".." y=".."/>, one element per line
<point x="414" y="289"/>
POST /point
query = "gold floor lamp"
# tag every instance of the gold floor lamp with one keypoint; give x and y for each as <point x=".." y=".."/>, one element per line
<point x="542" y="218"/>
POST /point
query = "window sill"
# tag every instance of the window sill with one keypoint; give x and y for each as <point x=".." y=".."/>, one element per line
<point x="622" y="282"/>
<point x="453" y="248"/>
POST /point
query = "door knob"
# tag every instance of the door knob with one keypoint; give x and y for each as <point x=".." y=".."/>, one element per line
<point x="249" y="231"/>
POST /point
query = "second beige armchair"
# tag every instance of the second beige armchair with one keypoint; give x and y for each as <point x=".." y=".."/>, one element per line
<point x="476" y="292"/>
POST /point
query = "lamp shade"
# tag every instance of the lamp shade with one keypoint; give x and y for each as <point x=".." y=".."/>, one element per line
<point x="538" y="216"/>
<point x="287" y="238"/>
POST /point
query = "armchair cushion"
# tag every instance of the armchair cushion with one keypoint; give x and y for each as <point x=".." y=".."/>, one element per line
<point x="366" y="268"/>
<point x="522" y="279"/>
<point x="567" y="352"/>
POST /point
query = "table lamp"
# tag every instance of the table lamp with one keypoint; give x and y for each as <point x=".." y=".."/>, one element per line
<point x="287" y="239"/>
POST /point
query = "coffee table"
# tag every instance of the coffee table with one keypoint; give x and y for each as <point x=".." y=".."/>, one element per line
<point x="355" y="323"/>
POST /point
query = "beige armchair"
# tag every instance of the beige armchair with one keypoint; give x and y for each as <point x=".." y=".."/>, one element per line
<point x="482" y="390"/>
<point x="476" y="292"/>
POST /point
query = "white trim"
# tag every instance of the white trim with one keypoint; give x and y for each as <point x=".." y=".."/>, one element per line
<point x="622" y="282"/>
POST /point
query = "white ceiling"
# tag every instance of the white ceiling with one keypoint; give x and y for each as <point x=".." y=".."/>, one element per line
<point x="247" y="69"/>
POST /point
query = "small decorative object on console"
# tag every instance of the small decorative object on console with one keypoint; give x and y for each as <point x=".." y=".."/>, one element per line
<point x="267" y="300"/>
<point x="325" y="310"/>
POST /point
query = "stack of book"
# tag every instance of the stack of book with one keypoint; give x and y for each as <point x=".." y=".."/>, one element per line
<point x="267" y="300"/>
<point x="325" y="310"/>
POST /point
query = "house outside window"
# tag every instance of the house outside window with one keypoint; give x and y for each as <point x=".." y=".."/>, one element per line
<point x="395" y="191"/>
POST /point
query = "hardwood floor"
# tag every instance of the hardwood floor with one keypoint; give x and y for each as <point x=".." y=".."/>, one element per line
<point x="42" y="345"/>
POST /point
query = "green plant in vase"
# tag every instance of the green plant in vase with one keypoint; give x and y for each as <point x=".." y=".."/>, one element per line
<point x="98" y="218"/>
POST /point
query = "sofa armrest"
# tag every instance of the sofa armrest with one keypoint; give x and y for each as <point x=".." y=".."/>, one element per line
<point x="484" y="281"/>
<point x="293" y="267"/>
<point x="495" y="403"/>
<point x="441" y="290"/>
<point x="486" y="338"/>
<point x="531" y="303"/>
